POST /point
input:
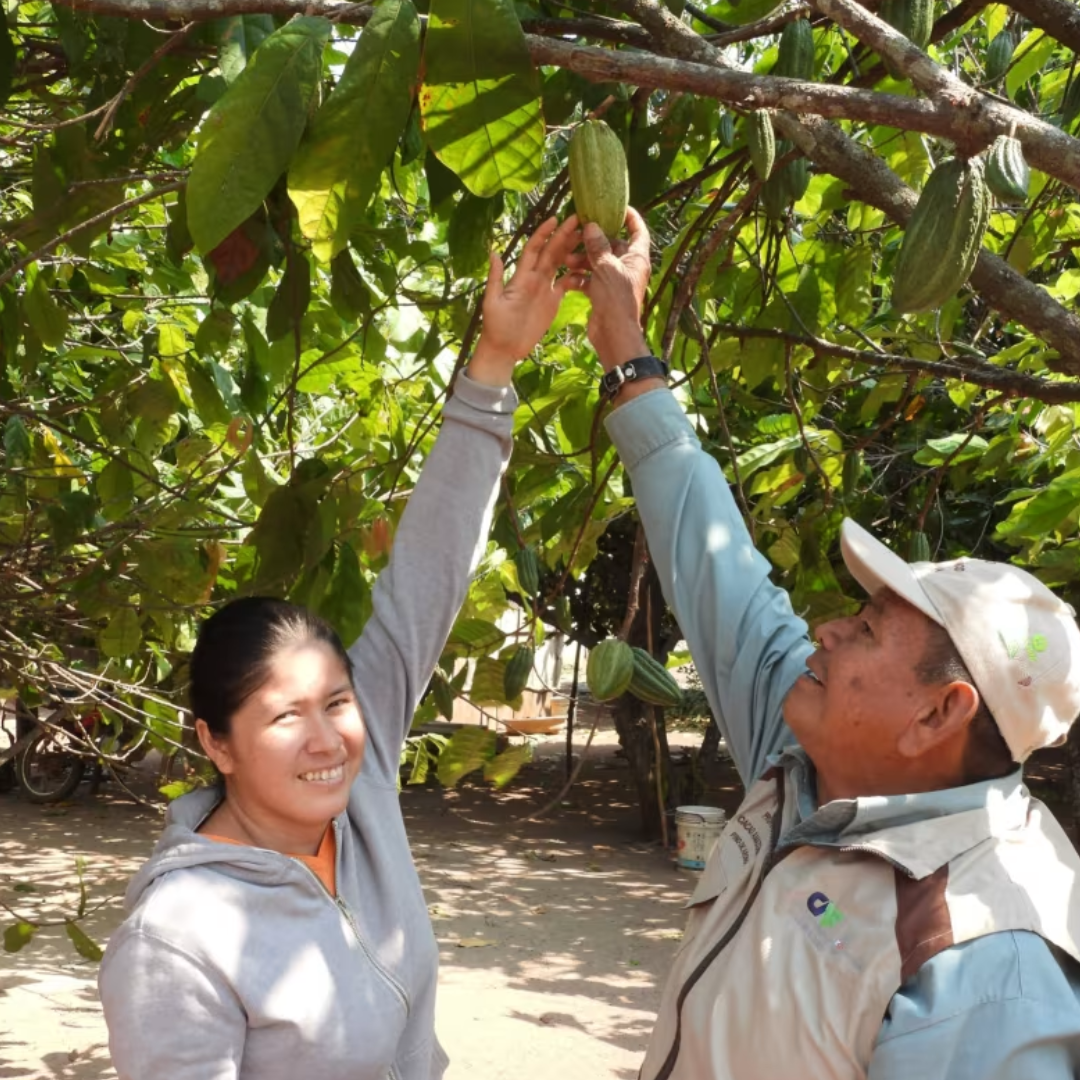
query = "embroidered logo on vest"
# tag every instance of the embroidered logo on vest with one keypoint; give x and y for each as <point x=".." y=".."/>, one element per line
<point x="824" y="910"/>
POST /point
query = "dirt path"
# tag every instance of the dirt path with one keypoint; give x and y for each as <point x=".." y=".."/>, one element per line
<point x="554" y="936"/>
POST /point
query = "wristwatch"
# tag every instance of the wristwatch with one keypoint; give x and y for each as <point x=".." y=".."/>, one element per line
<point x="644" y="367"/>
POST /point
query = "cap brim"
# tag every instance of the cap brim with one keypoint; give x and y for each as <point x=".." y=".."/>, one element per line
<point x="875" y="567"/>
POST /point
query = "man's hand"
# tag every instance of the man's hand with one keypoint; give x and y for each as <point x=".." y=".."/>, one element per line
<point x="620" y="274"/>
<point x="517" y="315"/>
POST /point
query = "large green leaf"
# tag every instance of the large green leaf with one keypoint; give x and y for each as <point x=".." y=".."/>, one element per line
<point x="253" y="131"/>
<point x="238" y="38"/>
<point x="480" y="103"/>
<point x="346" y="604"/>
<point x="353" y="135"/>
<point x="468" y="749"/>
<point x="47" y="318"/>
<point x="123" y="634"/>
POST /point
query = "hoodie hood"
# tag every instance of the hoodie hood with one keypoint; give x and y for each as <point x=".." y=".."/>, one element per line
<point x="181" y="847"/>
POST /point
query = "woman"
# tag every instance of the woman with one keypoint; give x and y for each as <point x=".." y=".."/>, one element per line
<point x="279" y="929"/>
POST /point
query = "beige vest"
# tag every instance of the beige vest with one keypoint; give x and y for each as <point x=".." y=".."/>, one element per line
<point x="788" y="963"/>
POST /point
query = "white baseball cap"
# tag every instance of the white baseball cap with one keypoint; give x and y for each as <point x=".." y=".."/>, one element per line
<point x="1018" y="640"/>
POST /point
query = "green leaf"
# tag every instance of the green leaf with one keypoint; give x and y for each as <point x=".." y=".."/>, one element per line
<point x="115" y="489"/>
<point x="1040" y="516"/>
<point x="352" y="138"/>
<point x="467" y="750"/>
<point x="238" y="38"/>
<point x="1030" y="56"/>
<point x="7" y="61"/>
<point x="477" y="635"/>
<point x="500" y="770"/>
<point x="252" y="133"/>
<point x="18" y="935"/>
<point x="172" y="341"/>
<point x="215" y="332"/>
<point x="48" y="319"/>
<point x="480" y="103"/>
<point x="84" y="945"/>
<point x="938" y="451"/>
<point x="205" y="394"/>
<point x="855" y="285"/>
<point x="123" y="634"/>
<point x="16" y="441"/>
<point x="470" y="234"/>
<point x="349" y="296"/>
<point x="346" y="604"/>
<point x="291" y="299"/>
<point x="279" y="536"/>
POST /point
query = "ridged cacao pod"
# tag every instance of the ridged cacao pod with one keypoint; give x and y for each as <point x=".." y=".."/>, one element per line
<point x="795" y="59"/>
<point x="761" y="141"/>
<point x="652" y="682"/>
<point x="943" y="237"/>
<point x="1007" y="173"/>
<point x="610" y="669"/>
<point x="999" y="54"/>
<point x="773" y="196"/>
<point x="797" y="178"/>
<point x="598" y="176"/>
<point x="913" y="18"/>
<point x="528" y="570"/>
<point x="919" y="548"/>
<point x="518" y="669"/>
<point x="726" y="130"/>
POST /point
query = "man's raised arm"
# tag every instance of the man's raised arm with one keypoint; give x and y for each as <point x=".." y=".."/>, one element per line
<point x="747" y="644"/>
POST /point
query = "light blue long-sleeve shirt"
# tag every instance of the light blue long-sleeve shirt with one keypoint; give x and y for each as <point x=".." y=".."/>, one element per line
<point x="1002" y="1007"/>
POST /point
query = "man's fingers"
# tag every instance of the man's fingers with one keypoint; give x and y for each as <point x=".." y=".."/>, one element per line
<point x="496" y="270"/>
<point x="596" y="244"/>
<point x="532" y="251"/>
<point x="639" y="232"/>
<point x="572" y="283"/>
<point x="558" y="247"/>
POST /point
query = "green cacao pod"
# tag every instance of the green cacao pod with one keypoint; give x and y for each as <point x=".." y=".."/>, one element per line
<point x="652" y="682"/>
<point x="943" y="237"/>
<point x="795" y="59"/>
<point x="774" y="196"/>
<point x="1007" y="173"/>
<point x="999" y="54"/>
<point x="913" y="18"/>
<point x="518" y="669"/>
<point x="726" y="130"/>
<point x="919" y="548"/>
<point x="528" y="570"/>
<point x="598" y="176"/>
<point x="796" y="178"/>
<point x="610" y="669"/>
<point x="761" y="140"/>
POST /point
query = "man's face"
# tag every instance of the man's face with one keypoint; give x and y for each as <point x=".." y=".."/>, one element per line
<point x="861" y="693"/>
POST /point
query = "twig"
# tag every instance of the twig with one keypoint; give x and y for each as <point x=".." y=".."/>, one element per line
<point x="537" y="814"/>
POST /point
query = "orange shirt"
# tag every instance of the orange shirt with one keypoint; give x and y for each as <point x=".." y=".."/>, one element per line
<point x="321" y="864"/>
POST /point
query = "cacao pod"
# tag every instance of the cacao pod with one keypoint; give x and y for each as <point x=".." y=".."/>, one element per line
<point x="797" y="178"/>
<point x="913" y="18"/>
<point x="1007" y="173"/>
<point x="795" y="59"/>
<point x="528" y="570"/>
<point x="919" y="549"/>
<point x="761" y="140"/>
<point x="943" y="237"/>
<point x="598" y="177"/>
<point x="999" y="54"/>
<point x="610" y="669"/>
<point x="774" y="197"/>
<point x="652" y="682"/>
<point x="726" y="130"/>
<point x="518" y="669"/>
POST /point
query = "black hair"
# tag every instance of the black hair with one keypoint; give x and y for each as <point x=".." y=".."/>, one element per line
<point x="237" y="645"/>
<point x="987" y="754"/>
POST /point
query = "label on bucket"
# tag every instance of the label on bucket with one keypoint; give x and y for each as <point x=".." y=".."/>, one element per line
<point x="697" y="829"/>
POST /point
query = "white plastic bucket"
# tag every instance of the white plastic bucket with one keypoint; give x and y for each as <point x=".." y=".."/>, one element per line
<point x="697" y="828"/>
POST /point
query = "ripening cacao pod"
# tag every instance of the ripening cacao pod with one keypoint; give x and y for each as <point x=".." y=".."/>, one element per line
<point x="761" y="141"/>
<point x="610" y="669"/>
<point x="726" y="130"/>
<point x="652" y="682"/>
<point x="1007" y="173"/>
<point x="795" y="59"/>
<point x="517" y="671"/>
<point x="919" y="549"/>
<point x="598" y="177"/>
<point x="943" y="237"/>
<point x="528" y="570"/>
<point x="999" y="54"/>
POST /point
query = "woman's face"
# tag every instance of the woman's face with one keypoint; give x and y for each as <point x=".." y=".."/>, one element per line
<point x="296" y="744"/>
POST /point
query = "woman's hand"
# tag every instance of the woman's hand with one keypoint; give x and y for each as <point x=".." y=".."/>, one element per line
<point x="518" y="314"/>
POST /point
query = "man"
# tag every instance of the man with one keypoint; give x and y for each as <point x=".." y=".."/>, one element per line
<point x="889" y="901"/>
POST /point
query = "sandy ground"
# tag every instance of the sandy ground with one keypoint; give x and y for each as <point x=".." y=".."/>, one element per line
<point x="555" y="935"/>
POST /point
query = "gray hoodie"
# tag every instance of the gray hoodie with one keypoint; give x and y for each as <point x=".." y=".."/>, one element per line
<point x="236" y="961"/>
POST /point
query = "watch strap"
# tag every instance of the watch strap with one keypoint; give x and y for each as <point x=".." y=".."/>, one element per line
<point x="643" y="367"/>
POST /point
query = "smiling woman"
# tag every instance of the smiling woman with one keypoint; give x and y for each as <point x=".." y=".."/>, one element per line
<point x="279" y="929"/>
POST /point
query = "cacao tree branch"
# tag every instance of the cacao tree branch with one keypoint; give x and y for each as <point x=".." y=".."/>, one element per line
<point x="980" y="118"/>
<point x="1058" y="18"/>
<point x="985" y="374"/>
